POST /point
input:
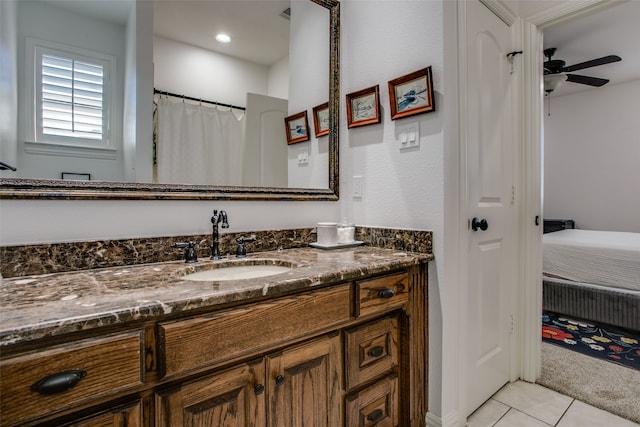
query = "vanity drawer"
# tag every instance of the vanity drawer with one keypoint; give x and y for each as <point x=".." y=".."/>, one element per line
<point x="98" y="367"/>
<point x="376" y="405"/>
<point x="371" y="350"/>
<point x="381" y="294"/>
<point x="203" y="341"/>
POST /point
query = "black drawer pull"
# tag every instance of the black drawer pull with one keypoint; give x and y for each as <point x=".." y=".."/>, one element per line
<point x="57" y="383"/>
<point x="376" y="351"/>
<point x="279" y="379"/>
<point x="386" y="293"/>
<point x="375" y="416"/>
<point x="258" y="388"/>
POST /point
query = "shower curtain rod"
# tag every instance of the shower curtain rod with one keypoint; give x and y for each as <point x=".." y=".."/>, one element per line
<point x="175" y="95"/>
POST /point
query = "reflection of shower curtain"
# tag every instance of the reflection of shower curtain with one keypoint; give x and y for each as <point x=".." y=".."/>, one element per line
<point x="198" y="145"/>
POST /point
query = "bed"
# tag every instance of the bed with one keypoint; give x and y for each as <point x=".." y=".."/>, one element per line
<point x="593" y="275"/>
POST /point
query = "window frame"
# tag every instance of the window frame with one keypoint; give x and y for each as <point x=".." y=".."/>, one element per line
<point x="35" y="49"/>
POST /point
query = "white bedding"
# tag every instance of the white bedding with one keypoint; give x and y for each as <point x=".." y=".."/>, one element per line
<point x="608" y="258"/>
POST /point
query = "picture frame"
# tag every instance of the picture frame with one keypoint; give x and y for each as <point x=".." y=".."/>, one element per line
<point x="363" y="107"/>
<point x="297" y="128"/>
<point x="321" y="119"/>
<point x="412" y="94"/>
<point x="76" y="176"/>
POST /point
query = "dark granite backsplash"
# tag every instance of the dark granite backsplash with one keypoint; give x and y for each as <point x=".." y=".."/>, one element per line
<point x="25" y="260"/>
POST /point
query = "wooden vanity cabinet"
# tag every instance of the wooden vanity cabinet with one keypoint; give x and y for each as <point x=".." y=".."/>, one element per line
<point x="349" y="354"/>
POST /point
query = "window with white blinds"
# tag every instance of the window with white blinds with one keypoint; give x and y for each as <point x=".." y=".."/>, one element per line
<point x="72" y="98"/>
<point x="72" y="95"/>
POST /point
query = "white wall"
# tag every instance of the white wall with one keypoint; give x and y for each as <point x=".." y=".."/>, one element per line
<point x="8" y="86"/>
<point x="138" y="114"/>
<point x="278" y="83"/>
<point x="42" y="21"/>
<point x="592" y="158"/>
<point x="193" y="71"/>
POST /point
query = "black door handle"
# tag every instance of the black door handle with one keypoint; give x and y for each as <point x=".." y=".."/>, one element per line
<point x="481" y="224"/>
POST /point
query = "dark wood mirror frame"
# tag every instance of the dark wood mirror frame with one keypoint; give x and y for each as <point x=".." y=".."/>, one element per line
<point x="20" y="188"/>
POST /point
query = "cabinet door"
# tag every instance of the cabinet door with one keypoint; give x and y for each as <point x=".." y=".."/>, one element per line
<point x="129" y="416"/>
<point x="304" y="385"/>
<point x="233" y="398"/>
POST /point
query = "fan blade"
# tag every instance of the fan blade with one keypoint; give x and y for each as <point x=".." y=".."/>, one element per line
<point x="593" y="63"/>
<point x="586" y="80"/>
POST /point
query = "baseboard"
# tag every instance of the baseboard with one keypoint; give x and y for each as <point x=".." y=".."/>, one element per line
<point x="433" y="420"/>
<point x="452" y="419"/>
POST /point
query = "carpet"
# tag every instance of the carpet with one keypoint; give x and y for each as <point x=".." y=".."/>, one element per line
<point x="604" y="342"/>
<point x="608" y="386"/>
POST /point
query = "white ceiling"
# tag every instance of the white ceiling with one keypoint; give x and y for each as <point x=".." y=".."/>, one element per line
<point x="611" y="31"/>
<point x="258" y="31"/>
<point x="114" y="11"/>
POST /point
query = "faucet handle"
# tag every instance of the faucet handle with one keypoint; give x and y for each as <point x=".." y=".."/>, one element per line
<point x="190" y="255"/>
<point x="225" y="221"/>
<point x="241" y="251"/>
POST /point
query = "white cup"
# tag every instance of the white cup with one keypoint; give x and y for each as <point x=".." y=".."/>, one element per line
<point x="327" y="233"/>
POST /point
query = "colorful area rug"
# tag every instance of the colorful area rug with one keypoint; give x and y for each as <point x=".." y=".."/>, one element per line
<point x="604" y="342"/>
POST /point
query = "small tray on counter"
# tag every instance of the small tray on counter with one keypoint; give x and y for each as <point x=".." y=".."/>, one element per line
<point x="337" y="245"/>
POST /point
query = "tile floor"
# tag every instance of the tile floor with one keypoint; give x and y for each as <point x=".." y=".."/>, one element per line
<point x="522" y="404"/>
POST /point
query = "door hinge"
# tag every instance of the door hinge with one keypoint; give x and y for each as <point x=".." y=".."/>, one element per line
<point x="513" y="195"/>
<point x="512" y="323"/>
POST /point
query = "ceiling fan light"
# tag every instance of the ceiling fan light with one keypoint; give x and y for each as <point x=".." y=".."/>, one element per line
<point x="552" y="81"/>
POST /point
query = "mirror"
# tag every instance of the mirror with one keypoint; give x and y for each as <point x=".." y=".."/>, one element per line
<point x="255" y="190"/>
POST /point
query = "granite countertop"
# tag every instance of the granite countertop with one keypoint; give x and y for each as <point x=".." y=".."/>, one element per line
<point x="35" y="307"/>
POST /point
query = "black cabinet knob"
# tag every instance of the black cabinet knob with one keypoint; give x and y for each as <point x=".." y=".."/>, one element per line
<point x="258" y="388"/>
<point x="376" y="351"/>
<point x="279" y="379"/>
<point x="375" y="416"/>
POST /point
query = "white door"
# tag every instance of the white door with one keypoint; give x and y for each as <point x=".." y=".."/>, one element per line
<point x="266" y="152"/>
<point x="490" y="193"/>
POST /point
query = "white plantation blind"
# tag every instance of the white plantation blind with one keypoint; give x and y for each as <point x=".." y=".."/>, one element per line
<point x="72" y="98"/>
<point x="72" y="92"/>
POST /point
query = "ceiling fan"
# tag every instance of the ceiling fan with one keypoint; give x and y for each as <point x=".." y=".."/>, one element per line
<point x="555" y="71"/>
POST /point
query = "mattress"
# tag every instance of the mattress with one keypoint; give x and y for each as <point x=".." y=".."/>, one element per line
<point x="608" y="258"/>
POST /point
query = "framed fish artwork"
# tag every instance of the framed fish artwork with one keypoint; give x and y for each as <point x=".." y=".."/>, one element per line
<point x="321" y="119"/>
<point x="412" y="94"/>
<point x="297" y="128"/>
<point x="363" y="107"/>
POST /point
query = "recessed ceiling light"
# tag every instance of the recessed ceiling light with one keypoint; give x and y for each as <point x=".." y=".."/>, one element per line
<point x="223" y="38"/>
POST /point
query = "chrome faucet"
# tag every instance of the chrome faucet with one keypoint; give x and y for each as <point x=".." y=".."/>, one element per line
<point x="216" y="219"/>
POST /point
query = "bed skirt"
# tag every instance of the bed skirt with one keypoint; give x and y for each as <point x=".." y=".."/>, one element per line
<point x="591" y="302"/>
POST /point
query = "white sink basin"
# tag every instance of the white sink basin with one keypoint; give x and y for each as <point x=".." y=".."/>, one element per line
<point x="237" y="272"/>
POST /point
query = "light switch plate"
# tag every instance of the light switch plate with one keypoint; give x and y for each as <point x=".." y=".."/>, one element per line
<point x="408" y="135"/>
<point x="357" y="187"/>
<point x="303" y="157"/>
